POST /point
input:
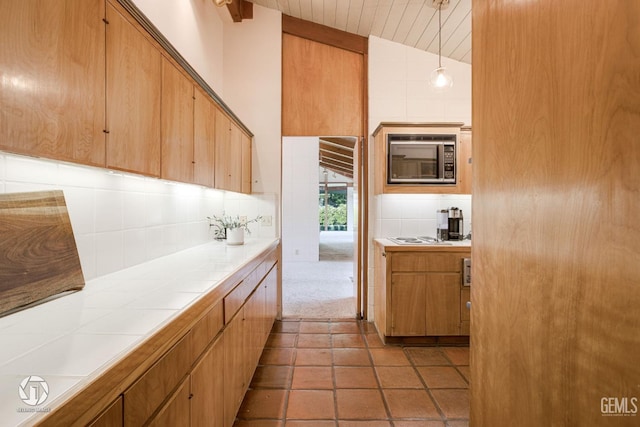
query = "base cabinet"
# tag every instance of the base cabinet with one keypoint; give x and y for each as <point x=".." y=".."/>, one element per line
<point x="202" y="379"/>
<point x="419" y="292"/>
<point x="207" y="387"/>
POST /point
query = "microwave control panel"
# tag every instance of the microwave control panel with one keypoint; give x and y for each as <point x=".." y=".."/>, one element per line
<point x="449" y="161"/>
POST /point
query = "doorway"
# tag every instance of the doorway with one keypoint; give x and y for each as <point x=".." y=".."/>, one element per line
<point x="319" y="231"/>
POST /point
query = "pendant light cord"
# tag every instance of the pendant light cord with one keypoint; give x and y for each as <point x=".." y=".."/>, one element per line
<point x="440" y="34"/>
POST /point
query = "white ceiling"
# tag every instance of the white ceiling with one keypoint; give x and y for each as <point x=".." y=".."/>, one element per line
<point x="410" y="22"/>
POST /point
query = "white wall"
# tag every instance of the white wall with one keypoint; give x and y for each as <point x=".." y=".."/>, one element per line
<point x="252" y="76"/>
<point x="399" y="86"/>
<point x="399" y="92"/>
<point x="300" y="232"/>
<point x="194" y="28"/>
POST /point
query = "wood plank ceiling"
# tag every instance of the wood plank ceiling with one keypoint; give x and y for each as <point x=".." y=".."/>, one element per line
<point x="336" y="155"/>
<point x="410" y="22"/>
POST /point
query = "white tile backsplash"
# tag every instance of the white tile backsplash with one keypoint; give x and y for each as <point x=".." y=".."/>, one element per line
<point x="120" y="219"/>
<point x="415" y="214"/>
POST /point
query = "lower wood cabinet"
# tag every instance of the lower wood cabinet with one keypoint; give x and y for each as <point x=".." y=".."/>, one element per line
<point x="207" y="387"/>
<point x="419" y="292"/>
<point x="177" y="410"/>
<point x="147" y="394"/>
<point x="202" y="379"/>
<point x="111" y="417"/>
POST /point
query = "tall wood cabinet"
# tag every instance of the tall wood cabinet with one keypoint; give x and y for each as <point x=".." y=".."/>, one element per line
<point x="52" y="91"/>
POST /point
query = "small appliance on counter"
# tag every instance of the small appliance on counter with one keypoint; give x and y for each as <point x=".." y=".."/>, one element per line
<point x="450" y="225"/>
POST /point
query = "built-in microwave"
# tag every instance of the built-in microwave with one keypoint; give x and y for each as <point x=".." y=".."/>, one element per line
<point x="421" y="159"/>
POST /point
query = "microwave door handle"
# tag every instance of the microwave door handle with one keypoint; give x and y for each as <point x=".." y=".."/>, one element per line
<point x="440" y="162"/>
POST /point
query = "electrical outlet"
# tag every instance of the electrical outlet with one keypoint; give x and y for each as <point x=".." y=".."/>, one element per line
<point x="266" y="221"/>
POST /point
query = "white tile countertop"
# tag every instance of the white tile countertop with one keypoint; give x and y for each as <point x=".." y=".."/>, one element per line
<point x="71" y="340"/>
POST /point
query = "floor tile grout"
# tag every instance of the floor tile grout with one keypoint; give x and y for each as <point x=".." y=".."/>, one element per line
<point x="284" y="327"/>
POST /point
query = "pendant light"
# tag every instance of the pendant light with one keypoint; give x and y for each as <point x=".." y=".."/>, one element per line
<point x="440" y="80"/>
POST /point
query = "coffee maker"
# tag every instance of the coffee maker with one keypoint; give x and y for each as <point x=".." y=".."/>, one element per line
<point x="455" y="224"/>
<point x="450" y="226"/>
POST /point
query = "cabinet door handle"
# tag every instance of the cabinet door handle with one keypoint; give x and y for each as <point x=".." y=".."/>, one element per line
<point x="468" y="305"/>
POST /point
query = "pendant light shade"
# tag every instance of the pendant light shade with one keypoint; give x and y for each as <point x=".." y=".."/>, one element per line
<point x="440" y="80"/>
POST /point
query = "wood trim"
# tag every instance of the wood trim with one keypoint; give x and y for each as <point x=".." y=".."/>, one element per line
<point x="408" y="125"/>
<point x="323" y="34"/>
<point x="240" y="9"/>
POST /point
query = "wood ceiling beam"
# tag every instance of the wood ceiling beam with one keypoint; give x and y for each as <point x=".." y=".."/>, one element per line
<point x="340" y="151"/>
<point x="240" y="9"/>
<point x="347" y="163"/>
<point x="347" y="143"/>
<point x="342" y="172"/>
<point x="336" y="167"/>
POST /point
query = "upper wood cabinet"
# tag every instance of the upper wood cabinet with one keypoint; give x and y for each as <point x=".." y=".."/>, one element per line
<point x="233" y="156"/>
<point x="381" y="184"/>
<point x="177" y="118"/>
<point x="52" y="87"/>
<point x="204" y="135"/>
<point x="246" y="163"/>
<point x="134" y="84"/>
<point x="118" y="97"/>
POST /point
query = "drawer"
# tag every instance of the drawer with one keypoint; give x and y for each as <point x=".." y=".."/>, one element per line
<point x="236" y="298"/>
<point x="427" y="261"/>
<point x="205" y="331"/>
<point x="144" y="397"/>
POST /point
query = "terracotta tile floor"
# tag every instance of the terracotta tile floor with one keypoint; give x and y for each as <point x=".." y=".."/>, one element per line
<point x="337" y="373"/>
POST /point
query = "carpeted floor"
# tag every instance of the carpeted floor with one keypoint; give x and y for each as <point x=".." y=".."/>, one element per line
<point x="322" y="289"/>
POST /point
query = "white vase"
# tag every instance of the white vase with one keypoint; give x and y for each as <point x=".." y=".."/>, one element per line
<point x="235" y="236"/>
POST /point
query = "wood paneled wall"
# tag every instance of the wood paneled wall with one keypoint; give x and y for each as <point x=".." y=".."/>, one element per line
<point x="323" y="90"/>
<point x="555" y="318"/>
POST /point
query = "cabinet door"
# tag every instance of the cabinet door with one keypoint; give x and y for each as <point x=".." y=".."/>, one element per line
<point x="228" y="154"/>
<point x="271" y="301"/>
<point x="246" y="163"/>
<point x="111" y="417"/>
<point x="207" y="388"/>
<point x="204" y="119"/>
<point x="176" y="412"/>
<point x="177" y="124"/>
<point x="408" y="304"/>
<point x="222" y="149"/>
<point x="134" y="70"/>
<point x="52" y="86"/>
<point x="143" y="398"/>
<point x="443" y="304"/>
<point x="234" y="384"/>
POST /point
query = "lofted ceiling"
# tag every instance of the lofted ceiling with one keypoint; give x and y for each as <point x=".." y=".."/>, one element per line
<point x="410" y="22"/>
<point x="336" y="155"/>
